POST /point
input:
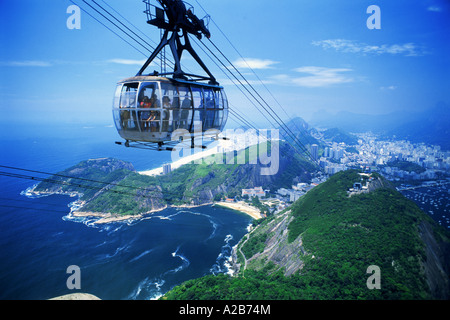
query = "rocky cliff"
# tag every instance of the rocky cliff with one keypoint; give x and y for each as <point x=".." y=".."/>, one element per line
<point x="277" y="251"/>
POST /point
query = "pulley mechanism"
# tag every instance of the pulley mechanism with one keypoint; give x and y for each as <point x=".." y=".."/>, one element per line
<point x="177" y="20"/>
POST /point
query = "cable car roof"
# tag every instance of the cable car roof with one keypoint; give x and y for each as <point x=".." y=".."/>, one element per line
<point x="165" y="79"/>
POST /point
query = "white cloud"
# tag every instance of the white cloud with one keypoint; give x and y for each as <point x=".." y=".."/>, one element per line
<point x="434" y="9"/>
<point x="321" y="77"/>
<point x="350" y="46"/>
<point x="315" y="77"/>
<point x="253" y="63"/>
<point x="391" y="88"/>
<point x="127" y="61"/>
<point x="27" y="63"/>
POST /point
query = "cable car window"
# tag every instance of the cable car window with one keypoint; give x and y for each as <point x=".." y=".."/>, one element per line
<point x="218" y="119"/>
<point x="171" y="107"/>
<point x="199" y="108"/>
<point x="128" y="95"/>
<point x="147" y="102"/>
<point x="116" y="101"/>
<point x="186" y="108"/>
<point x="127" y="103"/>
<point x="225" y="110"/>
<point x="116" y="104"/>
<point x="149" y="93"/>
<point x="218" y="114"/>
<point x="218" y="99"/>
<point x="210" y="105"/>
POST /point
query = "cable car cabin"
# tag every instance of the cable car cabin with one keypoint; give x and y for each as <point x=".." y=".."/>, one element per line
<point x="150" y="108"/>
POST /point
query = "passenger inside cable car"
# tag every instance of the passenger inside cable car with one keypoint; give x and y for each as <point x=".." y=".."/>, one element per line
<point x="185" y="112"/>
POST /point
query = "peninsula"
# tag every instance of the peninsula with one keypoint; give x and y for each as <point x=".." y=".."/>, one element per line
<point x="113" y="190"/>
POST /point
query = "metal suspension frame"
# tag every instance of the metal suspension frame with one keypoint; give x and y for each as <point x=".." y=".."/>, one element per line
<point x="179" y="24"/>
<point x="181" y="21"/>
<point x="167" y="146"/>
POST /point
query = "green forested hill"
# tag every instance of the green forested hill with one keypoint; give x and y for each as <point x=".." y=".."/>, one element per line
<point x="113" y="186"/>
<point x="339" y="135"/>
<point x="341" y="237"/>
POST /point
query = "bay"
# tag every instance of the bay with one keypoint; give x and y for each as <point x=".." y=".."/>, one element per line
<point x="139" y="259"/>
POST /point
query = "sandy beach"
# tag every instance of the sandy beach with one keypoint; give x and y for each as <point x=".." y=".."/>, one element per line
<point x="238" y="141"/>
<point x="188" y="159"/>
<point x="242" y="207"/>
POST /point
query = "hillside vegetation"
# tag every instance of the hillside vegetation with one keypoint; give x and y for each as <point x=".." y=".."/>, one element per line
<point x="113" y="186"/>
<point x="337" y="238"/>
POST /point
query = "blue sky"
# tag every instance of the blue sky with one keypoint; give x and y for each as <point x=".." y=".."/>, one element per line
<point x="312" y="55"/>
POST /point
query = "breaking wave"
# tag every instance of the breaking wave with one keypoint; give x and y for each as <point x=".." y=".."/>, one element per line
<point x="185" y="262"/>
<point x="147" y="289"/>
<point x="151" y="288"/>
<point x="222" y="264"/>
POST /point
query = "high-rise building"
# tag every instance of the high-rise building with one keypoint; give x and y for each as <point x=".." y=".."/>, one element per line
<point x="167" y="168"/>
<point x="315" y="151"/>
<point x="338" y="154"/>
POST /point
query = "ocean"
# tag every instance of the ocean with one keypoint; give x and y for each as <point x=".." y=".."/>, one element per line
<point x="140" y="259"/>
<point x="435" y="201"/>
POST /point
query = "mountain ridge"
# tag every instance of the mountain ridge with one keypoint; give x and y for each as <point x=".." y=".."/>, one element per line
<point x="430" y="126"/>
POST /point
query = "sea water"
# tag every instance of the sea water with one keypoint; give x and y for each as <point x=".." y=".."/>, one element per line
<point x="136" y="259"/>
<point x="435" y="201"/>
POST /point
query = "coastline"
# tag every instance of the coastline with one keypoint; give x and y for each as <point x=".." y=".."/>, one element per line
<point x="110" y="218"/>
<point x="241" y="206"/>
<point x="199" y="156"/>
<point x="104" y="218"/>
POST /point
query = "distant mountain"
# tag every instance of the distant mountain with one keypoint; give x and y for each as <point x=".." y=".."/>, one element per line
<point x="353" y="122"/>
<point x="430" y="126"/>
<point x="339" y="135"/>
<point x="300" y="134"/>
<point x="323" y="247"/>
